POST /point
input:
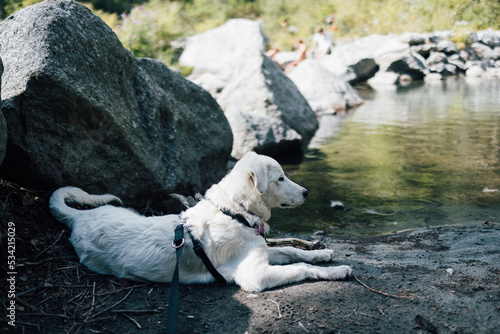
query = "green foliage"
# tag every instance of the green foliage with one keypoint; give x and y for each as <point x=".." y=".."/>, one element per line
<point x="356" y="18"/>
<point x="150" y="29"/>
<point x="111" y="19"/>
<point x="8" y="7"/>
<point x="115" y="6"/>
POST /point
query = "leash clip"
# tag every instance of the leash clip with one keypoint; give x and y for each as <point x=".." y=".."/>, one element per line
<point x="178" y="246"/>
<point x="179" y="236"/>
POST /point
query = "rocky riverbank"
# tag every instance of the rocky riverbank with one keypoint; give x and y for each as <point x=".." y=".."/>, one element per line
<point x="432" y="280"/>
<point x="81" y="110"/>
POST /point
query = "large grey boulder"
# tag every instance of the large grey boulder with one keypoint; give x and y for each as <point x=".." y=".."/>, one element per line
<point x="324" y="91"/>
<point x="484" y="51"/>
<point x="82" y="111"/>
<point x="425" y="50"/>
<point x="447" y="47"/>
<point x="254" y="131"/>
<point x="3" y="123"/>
<point x="398" y="68"/>
<point x="260" y="90"/>
<point x="217" y="50"/>
<point x="359" y="60"/>
<point x="265" y="109"/>
<point x="488" y="37"/>
<point x="406" y="62"/>
<point x="440" y="63"/>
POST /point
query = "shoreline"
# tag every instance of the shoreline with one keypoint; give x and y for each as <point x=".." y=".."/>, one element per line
<point x="443" y="279"/>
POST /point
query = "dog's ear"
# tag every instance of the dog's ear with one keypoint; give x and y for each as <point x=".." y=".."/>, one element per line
<point x="258" y="177"/>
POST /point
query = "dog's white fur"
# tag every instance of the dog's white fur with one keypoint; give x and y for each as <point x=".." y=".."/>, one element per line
<point x="118" y="241"/>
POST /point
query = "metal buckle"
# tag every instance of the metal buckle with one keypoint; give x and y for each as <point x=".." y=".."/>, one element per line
<point x="178" y="246"/>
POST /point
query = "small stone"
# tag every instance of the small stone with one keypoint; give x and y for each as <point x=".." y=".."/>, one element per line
<point x="337" y="205"/>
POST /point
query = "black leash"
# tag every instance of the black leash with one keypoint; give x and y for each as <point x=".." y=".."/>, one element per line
<point x="173" y="299"/>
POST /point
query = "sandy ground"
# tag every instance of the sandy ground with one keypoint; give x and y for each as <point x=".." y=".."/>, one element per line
<point x="434" y="280"/>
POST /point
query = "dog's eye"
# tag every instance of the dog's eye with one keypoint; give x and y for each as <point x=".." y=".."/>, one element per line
<point x="281" y="179"/>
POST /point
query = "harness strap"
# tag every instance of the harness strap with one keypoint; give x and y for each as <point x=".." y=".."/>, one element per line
<point x="173" y="299"/>
<point x="198" y="249"/>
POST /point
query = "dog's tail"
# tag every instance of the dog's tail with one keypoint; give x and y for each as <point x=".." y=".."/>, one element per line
<point x="64" y="213"/>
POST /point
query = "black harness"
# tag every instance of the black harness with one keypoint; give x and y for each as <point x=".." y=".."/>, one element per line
<point x="173" y="303"/>
<point x="198" y="249"/>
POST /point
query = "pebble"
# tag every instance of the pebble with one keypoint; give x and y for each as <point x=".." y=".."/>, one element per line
<point x="337" y="205"/>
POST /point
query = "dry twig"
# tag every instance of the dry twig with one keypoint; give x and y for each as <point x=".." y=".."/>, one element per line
<point x="279" y="309"/>
<point x="379" y="292"/>
<point x="114" y="305"/>
<point x="133" y="320"/>
<point x="52" y="245"/>
<point x="93" y="303"/>
<point x="136" y="311"/>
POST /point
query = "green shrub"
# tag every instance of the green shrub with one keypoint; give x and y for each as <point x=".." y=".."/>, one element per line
<point x="150" y="29"/>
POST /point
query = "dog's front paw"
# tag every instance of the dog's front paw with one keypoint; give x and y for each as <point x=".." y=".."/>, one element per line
<point x="345" y="272"/>
<point x="322" y="255"/>
<point x="340" y="272"/>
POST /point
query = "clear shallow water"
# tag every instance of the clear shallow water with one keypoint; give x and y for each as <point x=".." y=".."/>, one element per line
<point x="418" y="156"/>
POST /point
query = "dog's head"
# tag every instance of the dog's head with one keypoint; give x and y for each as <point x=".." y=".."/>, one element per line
<point x="258" y="183"/>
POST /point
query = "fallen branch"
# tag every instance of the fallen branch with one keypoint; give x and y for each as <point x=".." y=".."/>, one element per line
<point x="379" y="292"/>
<point x="294" y="242"/>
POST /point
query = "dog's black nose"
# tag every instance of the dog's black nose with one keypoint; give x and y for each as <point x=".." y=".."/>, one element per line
<point x="305" y="193"/>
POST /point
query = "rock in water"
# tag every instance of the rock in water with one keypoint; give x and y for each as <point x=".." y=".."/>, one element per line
<point x="82" y="111"/>
<point x="219" y="48"/>
<point x="267" y="112"/>
<point x="324" y="91"/>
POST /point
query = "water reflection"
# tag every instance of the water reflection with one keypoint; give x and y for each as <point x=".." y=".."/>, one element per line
<point x="411" y="157"/>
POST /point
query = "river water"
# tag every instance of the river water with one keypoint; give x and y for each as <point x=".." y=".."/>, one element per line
<point x="424" y="155"/>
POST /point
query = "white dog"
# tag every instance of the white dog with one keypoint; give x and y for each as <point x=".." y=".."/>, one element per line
<point x="117" y="241"/>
